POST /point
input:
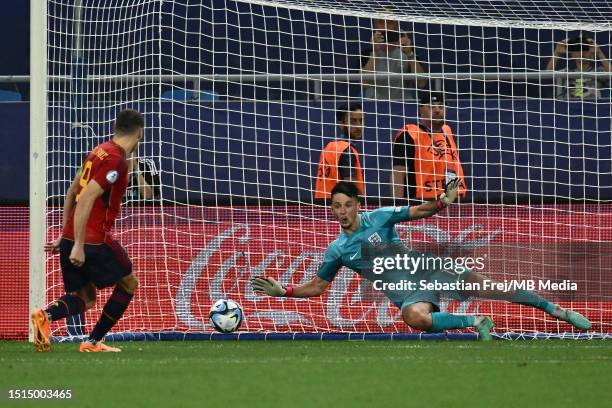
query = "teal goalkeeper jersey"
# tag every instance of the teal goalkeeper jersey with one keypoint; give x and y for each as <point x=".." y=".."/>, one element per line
<point x="377" y="233"/>
<point x="375" y="228"/>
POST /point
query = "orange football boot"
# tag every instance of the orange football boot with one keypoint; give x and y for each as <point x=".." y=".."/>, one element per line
<point x="99" y="347"/>
<point x="42" y="330"/>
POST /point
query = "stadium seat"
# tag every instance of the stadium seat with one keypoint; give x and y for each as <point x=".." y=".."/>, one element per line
<point x="10" y="96"/>
<point x="189" y="95"/>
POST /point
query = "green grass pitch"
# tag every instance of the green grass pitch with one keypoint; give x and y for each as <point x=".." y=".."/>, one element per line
<point x="317" y="374"/>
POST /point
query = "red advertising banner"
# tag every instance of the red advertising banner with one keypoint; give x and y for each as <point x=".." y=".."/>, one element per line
<point x="186" y="259"/>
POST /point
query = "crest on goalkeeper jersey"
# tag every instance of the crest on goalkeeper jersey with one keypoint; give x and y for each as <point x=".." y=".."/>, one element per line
<point x="374" y="239"/>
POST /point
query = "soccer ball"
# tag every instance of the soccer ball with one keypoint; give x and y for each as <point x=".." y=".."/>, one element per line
<point x="226" y="315"/>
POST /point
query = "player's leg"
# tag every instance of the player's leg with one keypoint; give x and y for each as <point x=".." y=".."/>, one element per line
<point x="113" y="267"/>
<point x="115" y="306"/>
<point x="69" y="304"/>
<point x="425" y="316"/>
<point x="112" y="312"/>
<point x="421" y="310"/>
<point x="73" y="303"/>
<point x="80" y="296"/>
<point x="529" y="298"/>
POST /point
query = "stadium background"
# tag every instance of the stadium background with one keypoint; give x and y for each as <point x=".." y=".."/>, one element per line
<point x="545" y="120"/>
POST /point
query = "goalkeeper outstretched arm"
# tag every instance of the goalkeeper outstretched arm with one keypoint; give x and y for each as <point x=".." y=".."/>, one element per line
<point x="333" y="260"/>
<point x="315" y="287"/>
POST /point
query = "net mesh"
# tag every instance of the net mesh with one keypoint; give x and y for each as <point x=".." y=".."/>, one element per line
<point x="240" y="98"/>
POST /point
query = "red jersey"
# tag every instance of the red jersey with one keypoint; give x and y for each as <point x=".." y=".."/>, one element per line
<point x="107" y="165"/>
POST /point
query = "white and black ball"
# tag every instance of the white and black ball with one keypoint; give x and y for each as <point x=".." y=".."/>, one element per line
<point x="226" y="315"/>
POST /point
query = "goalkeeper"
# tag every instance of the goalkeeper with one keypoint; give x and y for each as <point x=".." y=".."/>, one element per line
<point x="420" y="308"/>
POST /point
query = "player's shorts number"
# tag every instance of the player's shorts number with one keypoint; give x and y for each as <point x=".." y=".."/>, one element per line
<point x="85" y="176"/>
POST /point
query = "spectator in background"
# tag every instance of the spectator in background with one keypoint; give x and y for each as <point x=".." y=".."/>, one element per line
<point x="425" y="156"/>
<point x="340" y="158"/>
<point x="584" y="56"/>
<point x="392" y="52"/>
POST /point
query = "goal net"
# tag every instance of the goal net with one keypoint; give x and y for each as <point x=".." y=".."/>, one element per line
<point x="241" y="97"/>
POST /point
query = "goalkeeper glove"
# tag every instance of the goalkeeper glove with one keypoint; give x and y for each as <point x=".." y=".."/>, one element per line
<point x="268" y="285"/>
<point x="451" y="191"/>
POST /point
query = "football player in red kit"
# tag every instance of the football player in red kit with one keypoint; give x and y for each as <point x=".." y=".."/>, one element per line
<point x="90" y="258"/>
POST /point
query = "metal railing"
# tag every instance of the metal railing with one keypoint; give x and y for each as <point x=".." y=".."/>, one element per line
<point x="317" y="80"/>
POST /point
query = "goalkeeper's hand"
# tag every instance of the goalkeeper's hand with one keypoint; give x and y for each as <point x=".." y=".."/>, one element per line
<point x="451" y="191"/>
<point x="268" y="285"/>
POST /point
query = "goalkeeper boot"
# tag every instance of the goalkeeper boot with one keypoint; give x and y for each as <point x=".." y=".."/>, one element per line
<point x="484" y="324"/>
<point x="42" y="330"/>
<point x="97" y="347"/>
<point x="575" y="319"/>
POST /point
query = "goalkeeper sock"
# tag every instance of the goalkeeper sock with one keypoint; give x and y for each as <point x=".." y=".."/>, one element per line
<point x="529" y="298"/>
<point x="443" y="321"/>
<point x="112" y="312"/>
<point x="65" y="306"/>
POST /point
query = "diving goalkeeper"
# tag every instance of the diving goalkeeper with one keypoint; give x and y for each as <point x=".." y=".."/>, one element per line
<point x="420" y="308"/>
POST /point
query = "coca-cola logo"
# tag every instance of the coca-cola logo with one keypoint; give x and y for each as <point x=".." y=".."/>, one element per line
<point x="340" y="296"/>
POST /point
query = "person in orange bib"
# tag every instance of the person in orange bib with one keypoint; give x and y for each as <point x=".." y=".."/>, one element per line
<point x="340" y="158"/>
<point x="425" y="156"/>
